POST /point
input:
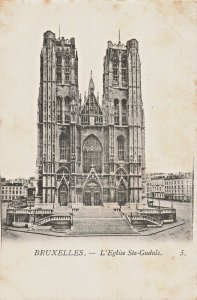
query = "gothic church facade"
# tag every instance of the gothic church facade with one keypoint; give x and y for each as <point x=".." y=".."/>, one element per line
<point x="89" y="154"/>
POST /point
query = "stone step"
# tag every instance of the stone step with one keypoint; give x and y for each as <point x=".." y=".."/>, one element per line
<point x="93" y="208"/>
<point x="97" y="214"/>
<point x="102" y="225"/>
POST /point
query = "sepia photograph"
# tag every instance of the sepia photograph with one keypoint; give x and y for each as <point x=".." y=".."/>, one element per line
<point x="98" y="148"/>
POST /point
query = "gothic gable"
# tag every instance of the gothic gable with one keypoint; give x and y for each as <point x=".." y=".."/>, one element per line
<point x="91" y="107"/>
<point x="91" y="113"/>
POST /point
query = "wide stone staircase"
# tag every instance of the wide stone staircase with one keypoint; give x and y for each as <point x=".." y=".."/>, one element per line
<point x="99" y="220"/>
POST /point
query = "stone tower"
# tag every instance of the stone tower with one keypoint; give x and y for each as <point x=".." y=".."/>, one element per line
<point x="58" y="111"/>
<point x="124" y="114"/>
<point x="89" y="154"/>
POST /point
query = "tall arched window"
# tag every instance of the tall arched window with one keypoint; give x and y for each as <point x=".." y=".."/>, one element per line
<point x="59" y="68"/>
<point x="64" y="146"/>
<point x="121" y="150"/>
<point x="59" y="110"/>
<point x="92" y="155"/>
<point x="124" y="112"/>
<point x="115" y="68"/>
<point x="67" y="69"/>
<point x="116" y="111"/>
<point x="124" y="69"/>
<point x="67" y="109"/>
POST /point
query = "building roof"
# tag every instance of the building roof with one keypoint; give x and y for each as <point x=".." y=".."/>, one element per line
<point x="13" y="184"/>
<point x="178" y="176"/>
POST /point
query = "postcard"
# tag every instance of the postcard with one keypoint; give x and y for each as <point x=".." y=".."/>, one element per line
<point x="98" y="150"/>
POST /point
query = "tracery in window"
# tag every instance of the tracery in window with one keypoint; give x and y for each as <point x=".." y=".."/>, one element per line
<point x="67" y="109"/>
<point x="116" y="111"/>
<point x="59" y="110"/>
<point x="124" y="112"/>
<point x="63" y="172"/>
<point x="59" y="68"/>
<point x="67" y="69"/>
<point x="115" y="68"/>
<point x="64" y="146"/>
<point x="121" y="173"/>
<point x="124" y="69"/>
<point x="121" y="150"/>
<point x="92" y="155"/>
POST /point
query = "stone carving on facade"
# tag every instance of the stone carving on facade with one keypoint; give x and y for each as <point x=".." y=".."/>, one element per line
<point x="90" y="133"/>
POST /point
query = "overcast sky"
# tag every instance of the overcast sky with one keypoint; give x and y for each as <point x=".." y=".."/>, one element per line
<point x="166" y="32"/>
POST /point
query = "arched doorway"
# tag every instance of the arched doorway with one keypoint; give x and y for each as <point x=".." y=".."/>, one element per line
<point x="92" y="194"/>
<point x="122" y="194"/>
<point x="63" y="195"/>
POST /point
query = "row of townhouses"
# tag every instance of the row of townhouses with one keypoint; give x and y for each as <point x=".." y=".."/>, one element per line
<point x="19" y="188"/>
<point x="171" y="186"/>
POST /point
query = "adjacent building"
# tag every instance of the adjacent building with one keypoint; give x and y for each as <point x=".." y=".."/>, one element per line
<point x="18" y="188"/>
<point x="89" y="153"/>
<point x="155" y="185"/>
<point x="178" y="186"/>
<point x="13" y="190"/>
<point x="169" y="186"/>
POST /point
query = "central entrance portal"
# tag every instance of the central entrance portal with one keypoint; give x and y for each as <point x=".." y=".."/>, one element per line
<point x="63" y="195"/>
<point x="122" y="195"/>
<point x="92" y="194"/>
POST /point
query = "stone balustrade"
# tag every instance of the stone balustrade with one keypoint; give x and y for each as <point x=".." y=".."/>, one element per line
<point x="157" y="211"/>
<point x="53" y="218"/>
<point x="30" y="211"/>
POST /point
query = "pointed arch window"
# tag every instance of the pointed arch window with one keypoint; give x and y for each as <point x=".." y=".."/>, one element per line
<point x="59" y="110"/>
<point x="59" y="68"/>
<point x="67" y="69"/>
<point x="115" y="68"/>
<point x="63" y="172"/>
<point x="121" y="148"/>
<point x="67" y="109"/>
<point x="124" y="69"/>
<point x="92" y="155"/>
<point x="64" y="147"/>
<point x="116" y="111"/>
<point x="124" y="112"/>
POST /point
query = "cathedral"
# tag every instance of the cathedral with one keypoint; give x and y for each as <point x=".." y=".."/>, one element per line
<point x="89" y="152"/>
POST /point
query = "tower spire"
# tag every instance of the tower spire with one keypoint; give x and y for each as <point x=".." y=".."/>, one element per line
<point x="59" y="31"/>
<point x="119" y="36"/>
<point x="91" y="85"/>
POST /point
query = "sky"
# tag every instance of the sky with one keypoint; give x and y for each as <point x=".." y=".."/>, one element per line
<point x="166" y="32"/>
